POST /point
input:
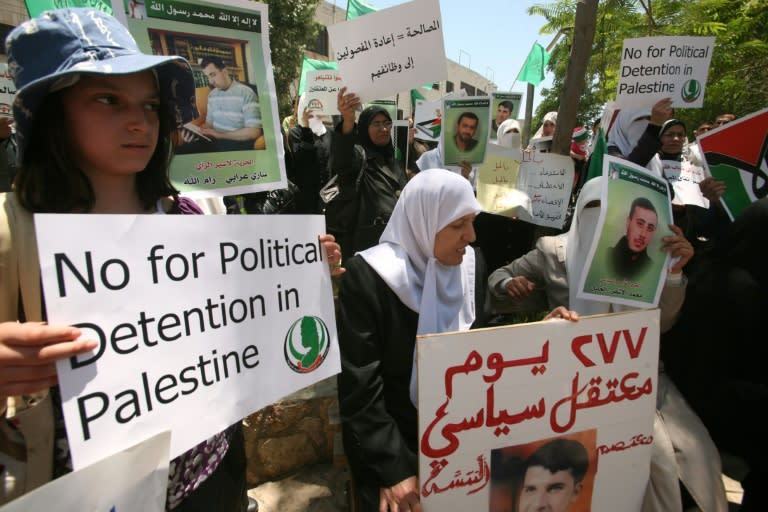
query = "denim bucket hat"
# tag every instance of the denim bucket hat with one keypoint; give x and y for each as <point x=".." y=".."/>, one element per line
<point x="58" y="46"/>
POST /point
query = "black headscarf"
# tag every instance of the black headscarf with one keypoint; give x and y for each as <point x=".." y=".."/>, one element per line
<point x="666" y="126"/>
<point x="363" y="122"/>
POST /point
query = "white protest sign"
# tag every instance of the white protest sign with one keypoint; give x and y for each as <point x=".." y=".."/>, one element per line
<point x="201" y="320"/>
<point x="489" y="397"/>
<point x="532" y="186"/>
<point x="134" y="479"/>
<point x="653" y="68"/>
<point x="391" y="50"/>
<point x="322" y="89"/>
<point x="7" y="91"/>
<point x="685" y="178"/>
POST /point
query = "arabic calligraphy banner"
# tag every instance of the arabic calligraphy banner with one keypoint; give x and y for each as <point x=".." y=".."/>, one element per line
<point x="185" y="322"/>
<point x="490" y="398"/>
<point x="391" y="50"/>
<point x="218" y="155"/>
<point x="737" y="153"/>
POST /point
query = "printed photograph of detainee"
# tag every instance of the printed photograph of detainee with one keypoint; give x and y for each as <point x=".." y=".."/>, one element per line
<point x="554" y="474"/>
<point x="465" y="130"/>
<point x="504" y="105"/>
<point x="629" y="257"/>
<point x="626" y="263"/>
<point x="228" y="102"/>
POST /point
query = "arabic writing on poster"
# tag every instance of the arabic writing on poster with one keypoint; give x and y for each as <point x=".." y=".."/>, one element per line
<point x="204" y="15"/>
<point x="380" y="54"/>
<point x="481" y="392"/>
<point x="685" y="178"/>
<point x="322" y="88"/>
<point x="7" y="90"/>
<point x="535" y="187"/>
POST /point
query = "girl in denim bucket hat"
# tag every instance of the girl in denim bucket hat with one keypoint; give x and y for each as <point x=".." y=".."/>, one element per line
<point x="96" y="121"/>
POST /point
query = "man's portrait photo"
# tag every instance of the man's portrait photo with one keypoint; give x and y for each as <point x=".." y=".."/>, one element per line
<point x="464" y="133"/>
<point x="232" y="119"/>
<point x="555" y="475"/>
<point x="629" y="257"/>
<point x="503" y="112"/>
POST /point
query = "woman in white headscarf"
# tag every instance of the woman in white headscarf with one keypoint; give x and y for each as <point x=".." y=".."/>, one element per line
<point x="508" y="134"/>
<point x="634" y="134"/>
<point x="423" y="277"/>
<point x="682" y="449"/>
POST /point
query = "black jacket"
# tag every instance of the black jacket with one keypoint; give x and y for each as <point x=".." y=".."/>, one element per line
<point x="377" y="335"/>
<point x="378" y="187"/>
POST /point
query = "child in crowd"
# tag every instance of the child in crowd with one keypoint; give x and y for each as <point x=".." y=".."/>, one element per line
<point x="95" y="121"/>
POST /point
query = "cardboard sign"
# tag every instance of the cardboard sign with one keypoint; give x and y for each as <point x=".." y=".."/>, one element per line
<point x="391" y="50"/>
<point x="132" y="479"/>
<point x="201" y="320"/>
<point x="488" y="398"/>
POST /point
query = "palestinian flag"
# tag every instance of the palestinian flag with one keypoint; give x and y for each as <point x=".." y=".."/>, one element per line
<point x="736" y="153"/>
<point x="430" y="127"/>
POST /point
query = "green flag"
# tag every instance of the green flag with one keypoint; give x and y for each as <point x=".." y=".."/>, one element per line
<point x="357" y="8"/>
<point x="314" y="65"/>
<point x="596" y="157"/>
<point x="533" y="69"/>
<point x="35" y="7"/>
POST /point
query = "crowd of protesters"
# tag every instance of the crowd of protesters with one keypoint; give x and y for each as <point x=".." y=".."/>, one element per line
<point x="419" y="254"/>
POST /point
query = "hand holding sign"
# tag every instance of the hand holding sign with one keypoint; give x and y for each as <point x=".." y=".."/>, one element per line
<point x="29" y="351"/>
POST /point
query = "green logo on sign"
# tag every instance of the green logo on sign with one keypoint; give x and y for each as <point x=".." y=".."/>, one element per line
<point x="691" y="91"/>
<point x="306" y="344"/>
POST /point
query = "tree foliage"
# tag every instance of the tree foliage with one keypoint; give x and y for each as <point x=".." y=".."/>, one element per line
<point x="291" y="26"/>
<point x="738" y="74"/>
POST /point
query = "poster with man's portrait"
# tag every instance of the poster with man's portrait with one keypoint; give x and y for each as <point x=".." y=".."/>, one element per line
<point x="504" y="105"/>
<point x="556" y="473"/>
<point x="464" y="135"/>
<point x="625" y="263"/>
<point x="234" y="145"/>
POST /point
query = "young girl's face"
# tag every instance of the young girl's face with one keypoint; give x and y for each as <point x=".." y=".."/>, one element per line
<point x="115" y="122"/>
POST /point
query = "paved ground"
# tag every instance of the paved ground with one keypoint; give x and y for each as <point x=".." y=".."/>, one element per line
<point x="323" y="488"/>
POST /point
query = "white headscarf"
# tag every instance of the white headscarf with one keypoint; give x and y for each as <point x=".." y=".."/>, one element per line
<point x="505" y="137"/>
<point x="442" y="295"/>
<point x="549" y="116"/>
<point x="579" y="240"/>
<point x="627" y="129"/>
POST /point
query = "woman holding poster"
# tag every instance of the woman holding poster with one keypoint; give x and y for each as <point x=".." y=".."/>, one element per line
<point x="682" y="448"/>
<point x="423" y="277"/>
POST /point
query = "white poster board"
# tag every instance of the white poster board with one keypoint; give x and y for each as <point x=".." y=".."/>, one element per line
<point x="489" y="397"/>
<point x="625" y="264"/>
<point x="391" y="50"/>
<point x="322" y="89"/>
<point x="133" y="479"/>
<point x="201" y="320"/>
<point x="654" y="68"/>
